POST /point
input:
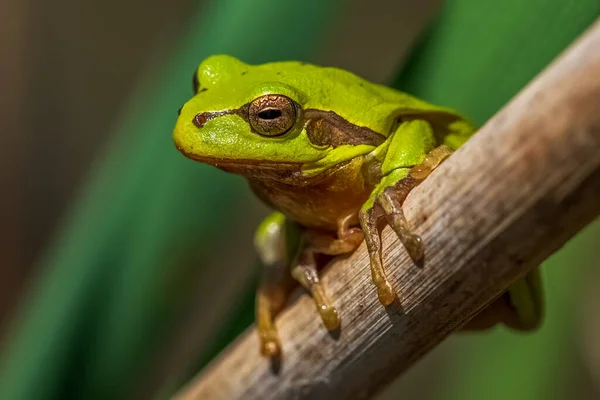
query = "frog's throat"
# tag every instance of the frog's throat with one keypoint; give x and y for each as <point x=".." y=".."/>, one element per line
<point x="244" y="166"/>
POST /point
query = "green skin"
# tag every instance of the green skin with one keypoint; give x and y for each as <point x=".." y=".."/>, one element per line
<point x="333" y="154"/>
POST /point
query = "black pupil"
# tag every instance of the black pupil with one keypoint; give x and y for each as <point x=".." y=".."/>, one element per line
<point x="270" y="113"/>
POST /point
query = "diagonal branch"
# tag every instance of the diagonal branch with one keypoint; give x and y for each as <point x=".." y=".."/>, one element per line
<point x="516" y="192"/>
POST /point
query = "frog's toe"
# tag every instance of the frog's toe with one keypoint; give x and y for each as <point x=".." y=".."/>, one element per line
<point x="386" y="293"/>
<point x="414" y="246"/>
<point x="270" y="347"/>
<point x="329" y="316"/>
<point x="328" y="313"/>
<point x="412" y="243"/>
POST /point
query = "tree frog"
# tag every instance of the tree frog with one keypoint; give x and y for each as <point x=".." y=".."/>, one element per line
<point x="332" y="154"/>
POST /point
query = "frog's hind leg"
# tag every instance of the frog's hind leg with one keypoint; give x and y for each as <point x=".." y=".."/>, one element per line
<point x="270" y="243"/>
<point x="392" y="197"/>
<point x="348" y="238"/>
<point x="526" y="300"/>
<point x="521" y="307"/>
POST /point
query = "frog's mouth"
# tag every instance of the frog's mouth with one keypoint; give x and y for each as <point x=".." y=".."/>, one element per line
<point x="242" y="163"/>
<point x="254" y="169"/>
<point x="283" y="172"/>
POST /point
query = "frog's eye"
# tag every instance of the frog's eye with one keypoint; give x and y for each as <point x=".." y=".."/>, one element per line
<point x="272" y="114"/>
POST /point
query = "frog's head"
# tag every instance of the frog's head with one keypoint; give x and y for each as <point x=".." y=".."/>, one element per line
<point x="255" y="119"/>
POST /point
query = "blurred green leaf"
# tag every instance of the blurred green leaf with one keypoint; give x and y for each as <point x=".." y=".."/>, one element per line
<point x="104" y="301"/>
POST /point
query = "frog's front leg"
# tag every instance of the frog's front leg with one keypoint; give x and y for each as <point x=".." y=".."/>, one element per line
<point x="305" y="272"/>
<point x="388" y="196"/>
<point x="386" y="201"/>
<point x="270" y="243"/>
<point x="396" y="188"/>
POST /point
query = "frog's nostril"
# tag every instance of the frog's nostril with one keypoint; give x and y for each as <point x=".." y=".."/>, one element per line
<point x="200" y="119"/>
<point x="179" y="111"/>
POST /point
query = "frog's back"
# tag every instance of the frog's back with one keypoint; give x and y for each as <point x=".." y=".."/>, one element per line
<point x="375" y="106"/>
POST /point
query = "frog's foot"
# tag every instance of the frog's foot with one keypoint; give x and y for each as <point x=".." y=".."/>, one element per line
<point x="391" y="203"/>
<point x="369" y="217"/>
<point x="348" y="239"/>
<point x="386" y="201"/>
<point x="305" y="272"/>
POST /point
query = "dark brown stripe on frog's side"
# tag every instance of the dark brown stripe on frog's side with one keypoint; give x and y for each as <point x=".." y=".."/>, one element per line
<point x="323" y="128"/>
<point x="202" y="118"/>
<point x="326" y="128"/>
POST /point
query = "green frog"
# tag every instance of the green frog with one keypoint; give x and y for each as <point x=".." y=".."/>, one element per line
<point x="332" y="154"/>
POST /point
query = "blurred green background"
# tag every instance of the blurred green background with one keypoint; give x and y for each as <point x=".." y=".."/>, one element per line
<point x="118" y="278"/>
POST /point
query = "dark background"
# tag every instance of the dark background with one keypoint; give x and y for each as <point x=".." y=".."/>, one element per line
<point x="80" y="85"/>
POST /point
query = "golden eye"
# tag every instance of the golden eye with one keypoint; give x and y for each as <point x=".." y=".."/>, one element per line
<point x="272" y="114"/>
